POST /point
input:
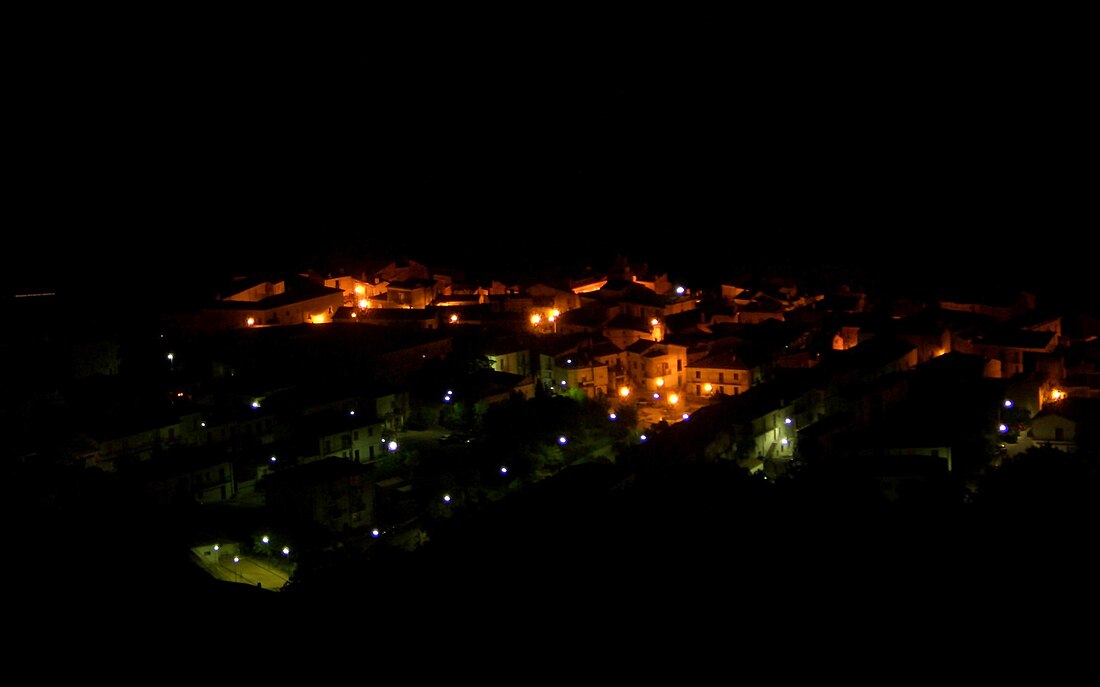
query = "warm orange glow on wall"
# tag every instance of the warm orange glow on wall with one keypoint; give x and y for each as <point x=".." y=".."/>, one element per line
<point x="319" y="318"/>
<point x="660" y="381"/>
<point x="1057" y="394"/>
<point x="360" y="289"/>
<point x="708" y="387"/>
<point x="624" y="391"/>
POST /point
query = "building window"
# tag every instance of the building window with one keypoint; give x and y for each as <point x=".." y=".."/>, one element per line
<point x="698" y="389"/>
<point x="698" y="374"/>
<point x="721" y="377"/>
<point x="736" y="376"/>
<point x="1059" y="434"/>
<point x="679" y="365"/>
<point x="355" y="435"/>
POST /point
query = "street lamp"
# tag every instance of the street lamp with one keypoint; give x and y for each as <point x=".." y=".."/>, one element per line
<point x="237" y="566"/>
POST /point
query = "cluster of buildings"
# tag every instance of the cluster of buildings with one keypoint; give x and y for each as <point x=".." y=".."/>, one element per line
<point x="290" y="390"/>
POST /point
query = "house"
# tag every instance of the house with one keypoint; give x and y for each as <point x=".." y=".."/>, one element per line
<point x="588" y="319"/>
<point x="200" y="476"/>
<point x="844" y="301"/>
<point x="509" y="355"/>
<point x="581" y="371"/>
<point x="1017" y="350"/>
<point x="400" y="270"/>
<point x="415" y="293"/>
<point x="1069" y="424"/>
<point x="349" y="435"/>
<point x="718" y="373"/>
<point x="655" y="367"/>
<point x="998" y="303"/>
<point x="264" y="302"/>
<point x="131" y="440"/>
<point x="552" y="298"/>
<point x="379" y="314"/>
<point x="755" y="428"/>
<point x="358" y="292"/>
<point x="925" y="331"/>
<point x="760" y="310"/>
<point x="624" y="330"/>
<point x="872" y="358"/>
<point x="335" y="493"/>
<point x="1082" y="385"/>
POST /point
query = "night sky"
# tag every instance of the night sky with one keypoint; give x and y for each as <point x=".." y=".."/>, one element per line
<point x="533" y="139"/>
